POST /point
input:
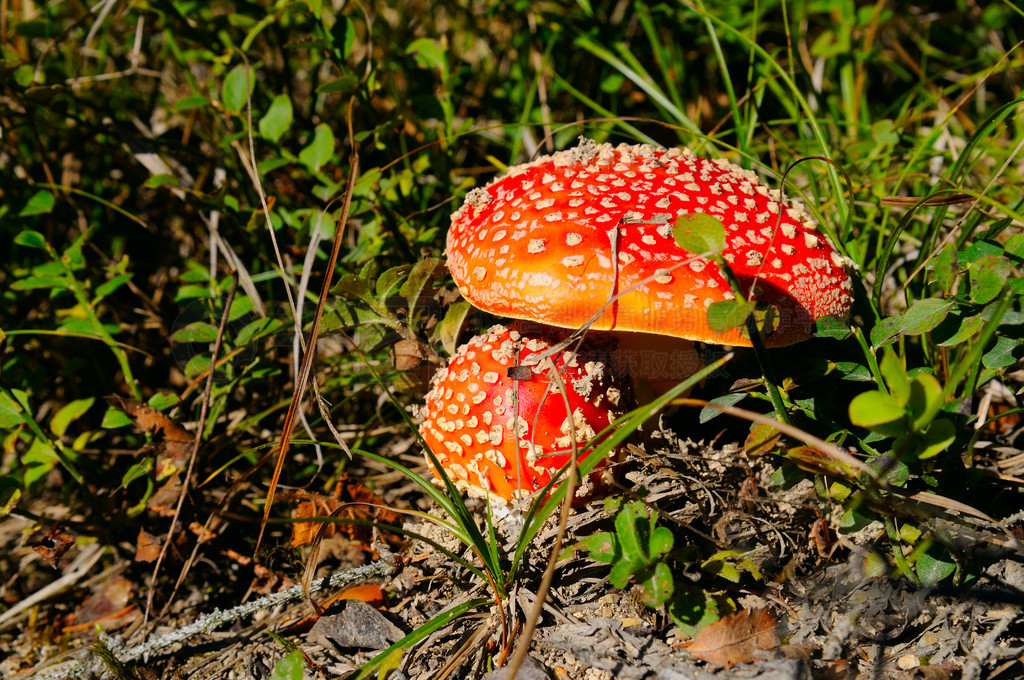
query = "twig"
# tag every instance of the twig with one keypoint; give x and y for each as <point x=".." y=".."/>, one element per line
<point x="158" y="643"/>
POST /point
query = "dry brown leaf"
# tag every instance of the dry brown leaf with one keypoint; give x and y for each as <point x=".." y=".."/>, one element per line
<point x="147" y="547"/>
<point x="360" y="504"/>
<point x="165" y="500"/>
<point x="54" y="544"/>
<point x="176" y="440"/>
<point x="821" y="538"/>
<point x="737" y="638"/>
<point x="111" y="605"/>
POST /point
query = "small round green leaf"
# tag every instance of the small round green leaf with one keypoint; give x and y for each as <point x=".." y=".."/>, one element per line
<point x="988" y="275"/>
<point x="873" y="408"/>
<point x="700" y="233"/>
<point x="290" y="667"/>
<point x="934" y="565"/>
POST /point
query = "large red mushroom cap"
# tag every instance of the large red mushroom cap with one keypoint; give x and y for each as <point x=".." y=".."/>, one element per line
<point x="497" y="420"/>
<point x="555" y="239"/>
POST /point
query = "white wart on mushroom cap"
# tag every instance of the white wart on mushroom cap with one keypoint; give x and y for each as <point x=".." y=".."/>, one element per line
<point x="504" y="437"/>
<point x="554" y="239"/>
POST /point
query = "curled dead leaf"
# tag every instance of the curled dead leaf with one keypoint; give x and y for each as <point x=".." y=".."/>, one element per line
<point x="54" y="544"/>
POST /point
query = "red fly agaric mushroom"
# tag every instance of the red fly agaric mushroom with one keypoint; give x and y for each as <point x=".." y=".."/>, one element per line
<point x="556" y="240"/>
<point x="498" y="422"/>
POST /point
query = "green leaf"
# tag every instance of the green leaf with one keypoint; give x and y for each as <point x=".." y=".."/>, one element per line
<point x="429" y="53"/>
<point x="109" y="286"/>
<point x="925" y="400"/>
<point x="10" y="494"/>
<point x="31" y="239"/>
<point x="853" y="371"/>
<point x="88" y="327"/>
<point x="344" y="84"/>
<point x="657" y="588"/>
<point x="602" y="546"/>
<point x="419" y="276"/>
<point x="934" y="565"/>
<point x="661" y="542"/>
<point x="885" y="330"/>
<point x="389" y="280"/>
<point x="700" y="233"/>
<point x="195" y="101"/>
<point x="873" y="408"/>
<point x="163" y="400"/>
<point x="289" y="667"/>
<point x="693" y="609"/>
<point x="40" y="203"/>
<point x="988" y="275"/>
<point x="957" y="329"/>
<point x="1015" y="246"/>
<point x="320" y="149"/>
<point x="33" y="283"/>
<point x="731" y="399"/>
<point x="937" y="439"/>
<point x="277" y="119"/>
<point x="24" y="75"/>
<point x="137" y="471"/>
<point x="160" y="180"/>
<point x="623" y="570"/>
<point x="832" y="327"/>
<point x="924" y="315"/>
<point x="115" y="418"/>
<point x="10" y="412"/>
<point x="874" y="565"/>
<point x="628" y="532"/>
<point x="945" y="267"/>
<point x="352" y="286"/>
<point x="854" y="519"/>
<point x="722" y="568"/>
<point x="977" y="250"/>
<point x="450" y="328"/>
<point x="197" y="331"/>
<point x="238" y="85"/>
<point x="895" y="377"/>
<point x="725" y="315"/>
<point x="69" y="414"/>
<point x="1007" y="352"/>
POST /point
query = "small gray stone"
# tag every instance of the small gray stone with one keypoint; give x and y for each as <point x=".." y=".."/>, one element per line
<point x="354" y="624"/>
<point x="530" y="670"/>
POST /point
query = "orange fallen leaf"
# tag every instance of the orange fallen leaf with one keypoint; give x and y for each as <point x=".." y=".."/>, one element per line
<point x="147" y="547"/>
<point x="370" y="593"/>
<point x="737" y="638"/>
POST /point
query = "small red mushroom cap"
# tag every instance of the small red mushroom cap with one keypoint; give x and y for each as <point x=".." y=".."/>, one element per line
<point x="497" y="421"/>
<point x="555" y="239"/>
